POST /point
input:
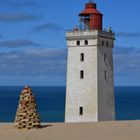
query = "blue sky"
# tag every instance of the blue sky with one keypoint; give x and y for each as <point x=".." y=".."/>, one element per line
<point x="33" y="47"/>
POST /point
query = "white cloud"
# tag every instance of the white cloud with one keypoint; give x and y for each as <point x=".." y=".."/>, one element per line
<point x="33" y="62"/>
<point x="20" y="17"/>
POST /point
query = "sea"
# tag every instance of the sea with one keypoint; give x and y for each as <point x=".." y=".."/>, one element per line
<point x="50" y="102"/>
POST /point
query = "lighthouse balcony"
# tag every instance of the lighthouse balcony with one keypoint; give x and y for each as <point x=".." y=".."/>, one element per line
<point x="89" y="34"/>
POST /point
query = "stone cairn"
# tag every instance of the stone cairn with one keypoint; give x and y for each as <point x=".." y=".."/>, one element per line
<point x="27" y="116"/>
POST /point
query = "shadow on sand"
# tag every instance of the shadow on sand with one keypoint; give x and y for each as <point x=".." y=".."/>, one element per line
<point x="44" y="126"/>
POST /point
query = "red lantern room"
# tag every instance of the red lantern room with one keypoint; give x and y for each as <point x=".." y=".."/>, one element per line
<point x="91" y="18"/>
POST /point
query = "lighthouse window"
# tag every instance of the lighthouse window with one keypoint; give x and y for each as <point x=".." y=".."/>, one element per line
<point x="86" y="42"/>
<point x="80" y="111"/>
<point x="103" y="43"/>
<point x="78" y="43"/>
<point x="82" y="56"/>
<point x="105" y="58"/>
<point x="81" y="74"/>
<point x="105" y="73"/>
<point x="107" y="44"/>
<point x="111" y="44"/>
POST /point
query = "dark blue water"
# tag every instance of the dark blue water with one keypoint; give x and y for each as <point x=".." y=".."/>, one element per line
<point x="127" y="103"/>
<point x="51" y="103"/>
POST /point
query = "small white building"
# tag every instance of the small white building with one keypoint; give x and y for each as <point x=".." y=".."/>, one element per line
<point x="90" y="80"/>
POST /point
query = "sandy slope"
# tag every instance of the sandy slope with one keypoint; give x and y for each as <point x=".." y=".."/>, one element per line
<point x="82" y="131"/>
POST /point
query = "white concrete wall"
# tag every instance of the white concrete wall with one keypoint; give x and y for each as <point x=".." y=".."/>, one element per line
<point x="93" y="93"/>
<point x="106" y="107"/>
<point x="81" y="92"/>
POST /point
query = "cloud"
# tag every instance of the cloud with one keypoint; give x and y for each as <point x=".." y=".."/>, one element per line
<point x="118" y="50"/>
<point x="127" y="62"/>
<point x="47" y="26"/>
<point x="18" y="4"/>
<point x="51" y="63"/>
<point x="17" y="43"/>
<point x="33" y="62"/>
<point x="22" y="17"/>
<point x="128" y="34"/>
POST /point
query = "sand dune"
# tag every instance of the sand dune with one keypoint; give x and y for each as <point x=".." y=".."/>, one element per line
<point x="129" y="130"/>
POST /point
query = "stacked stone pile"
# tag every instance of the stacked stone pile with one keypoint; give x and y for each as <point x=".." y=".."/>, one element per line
<point x="27" y="116"/>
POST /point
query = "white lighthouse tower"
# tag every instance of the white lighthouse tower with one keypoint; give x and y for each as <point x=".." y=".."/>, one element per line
<point x="90" y="81"/>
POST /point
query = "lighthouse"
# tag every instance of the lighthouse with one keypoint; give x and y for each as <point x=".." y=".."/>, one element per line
<point x="90" y="80"/>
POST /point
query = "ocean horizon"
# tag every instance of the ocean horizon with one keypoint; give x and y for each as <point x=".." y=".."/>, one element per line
<point x="51" y="102"/>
